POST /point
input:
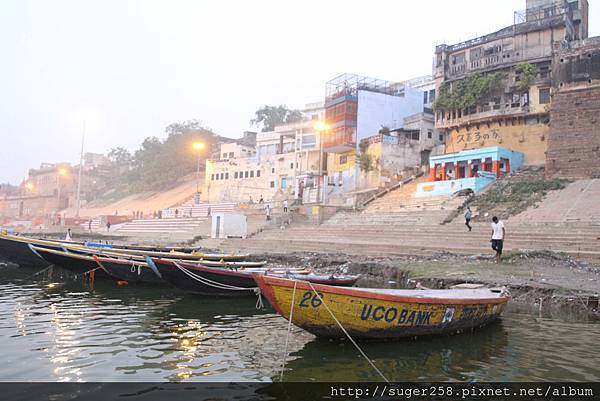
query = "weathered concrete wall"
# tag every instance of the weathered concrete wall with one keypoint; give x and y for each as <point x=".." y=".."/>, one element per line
<point x="574" y="142"/>
<point x="529" y="136"/>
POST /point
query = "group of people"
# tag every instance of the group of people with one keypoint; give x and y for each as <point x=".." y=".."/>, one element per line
<point x="498" y="232"/>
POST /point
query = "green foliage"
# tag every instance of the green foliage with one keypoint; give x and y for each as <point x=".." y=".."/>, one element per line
<point x="468" y="92"/>
<point x="528" y="73"/>
<point x="158" y="164"/>
<point x="120" y="156"/>
<point x="271" y="116"/>
<point x="384" y="130"/>
<point x="366" y="162"/>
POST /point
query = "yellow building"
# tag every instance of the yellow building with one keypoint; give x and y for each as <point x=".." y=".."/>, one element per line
<point x="495" y="90"/>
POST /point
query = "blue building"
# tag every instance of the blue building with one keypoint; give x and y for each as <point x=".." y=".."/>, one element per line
<point x="470" y="169"/>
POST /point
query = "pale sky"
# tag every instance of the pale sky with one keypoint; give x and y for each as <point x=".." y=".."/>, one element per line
<point x="136" y="66"/>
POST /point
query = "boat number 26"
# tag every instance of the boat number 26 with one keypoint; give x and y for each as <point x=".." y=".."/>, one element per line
<point x="311" y="299"/>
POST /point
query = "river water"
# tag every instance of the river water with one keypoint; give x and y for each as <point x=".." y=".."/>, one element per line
<point x="62" y="330"/>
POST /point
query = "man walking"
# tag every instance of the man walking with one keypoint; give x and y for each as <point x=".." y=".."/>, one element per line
<point x="285" y="206"/>
<point x="497" y="240"/>
<point x="468" y="216"/>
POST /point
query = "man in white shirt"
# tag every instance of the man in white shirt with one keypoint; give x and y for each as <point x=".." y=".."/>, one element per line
<point x="497" y="240"/>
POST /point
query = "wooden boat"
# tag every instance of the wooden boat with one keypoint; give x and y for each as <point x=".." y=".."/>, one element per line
<point x="74" y="262"/>
<point x="196" y="255"/>
<point x="108" y="252"/>
<point x="368" y="313"/>
<point x="16" y="249"/>
<point x="129" y="270"/>
<point x="228" y="281"/>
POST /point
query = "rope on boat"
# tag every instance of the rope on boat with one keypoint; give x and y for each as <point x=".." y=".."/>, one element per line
<point x="259" y="300"/>
<point x="40" y="272"/>
<point x="287" y="337"/>
<point x="347" y="334"/>
<point x="211" y="283"/>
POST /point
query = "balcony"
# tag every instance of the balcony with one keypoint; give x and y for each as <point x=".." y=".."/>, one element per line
<point x="482" y="113"/>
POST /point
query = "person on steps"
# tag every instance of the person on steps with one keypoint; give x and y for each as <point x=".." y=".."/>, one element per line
<point x="468" y="217"/>
<point x="497" y="240"/>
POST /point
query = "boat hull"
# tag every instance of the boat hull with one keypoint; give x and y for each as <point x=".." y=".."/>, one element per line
<point x="77" y="264"/>
<point x="375" y="316"/>
<point x="130" y="271"/>
<point x="175" y="275"/>
<point x="16" y="250"/>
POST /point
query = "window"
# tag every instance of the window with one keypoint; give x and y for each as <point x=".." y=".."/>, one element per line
<point x="441" y="138"/>
<point x="230" y="155"/>
<point x="545" y="96"/>
<point x="429" y="134"/>
<point x="235" y="175"/>
<point x="425" y="97"/>
<point x="416" y="135"/>
<point x="222" y="176"/>
<point x="292" y="165"/>
<point x="431" y="96"/>
<point x="224" y="155"/>
<point x="258" y="173"/>
<point x="272" y="170"/>
<point x="272" y="184"/>
<point x="226" y="176"/>
<point x="309" y="141"/>
<point x="251" y="173"/>
<point x="212" y="177"/>
<point x="245" y="174"/>
<point x="217" y="177"/>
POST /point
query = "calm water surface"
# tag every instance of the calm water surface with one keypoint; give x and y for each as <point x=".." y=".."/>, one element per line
<point x="61" y="330"/>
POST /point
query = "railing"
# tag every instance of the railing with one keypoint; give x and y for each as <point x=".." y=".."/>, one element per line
<point x="482" y="112"/>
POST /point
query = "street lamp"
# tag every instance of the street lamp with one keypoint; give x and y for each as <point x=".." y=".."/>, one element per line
<point x="321" y="127"/>
<point x="198" y="147"/>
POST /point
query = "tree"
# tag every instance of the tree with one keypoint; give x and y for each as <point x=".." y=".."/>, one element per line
<point x="120" y="156"/>
<point x="271" y="116"/>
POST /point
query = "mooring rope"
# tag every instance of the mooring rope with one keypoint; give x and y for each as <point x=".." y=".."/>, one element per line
<point x="287" y="337"/>
<point x="346" y="333"/>
<point x="259" y="300"/>
<point x="40" y="272"/>
<point x="211" y="283"/>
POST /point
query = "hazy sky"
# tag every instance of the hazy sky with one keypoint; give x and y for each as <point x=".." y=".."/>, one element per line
<point x="135" y="66"/>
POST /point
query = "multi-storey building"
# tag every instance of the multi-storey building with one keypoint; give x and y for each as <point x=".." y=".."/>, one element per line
<point x="45" y="191"/>
<point x="495" y="90"/>
<point x="282" y="163"/>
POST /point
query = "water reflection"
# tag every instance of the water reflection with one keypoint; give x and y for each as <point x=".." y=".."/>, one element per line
<point x="459" y="357"/>
<point x="67" y="332"/>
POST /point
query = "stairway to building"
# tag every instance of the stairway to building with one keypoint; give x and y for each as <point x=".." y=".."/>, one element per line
<point x="376" y="239"/>
<point x="95" y="224"/>
<point x="565" y="221"/>
<point x="189" y="209"/>
<point x="403" y="198"/>
<point x="162" y="226"/>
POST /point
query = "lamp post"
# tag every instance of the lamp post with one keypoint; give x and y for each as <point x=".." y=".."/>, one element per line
<point x="198" y="147"/>
<point x="322" y="128"/>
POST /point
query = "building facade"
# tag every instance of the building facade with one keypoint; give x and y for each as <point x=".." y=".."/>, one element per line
<point x="495" y="90"/>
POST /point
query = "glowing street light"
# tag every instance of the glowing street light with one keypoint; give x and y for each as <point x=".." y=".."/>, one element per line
<point x="199" y="147"/>
<point x="29" y="186"/>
